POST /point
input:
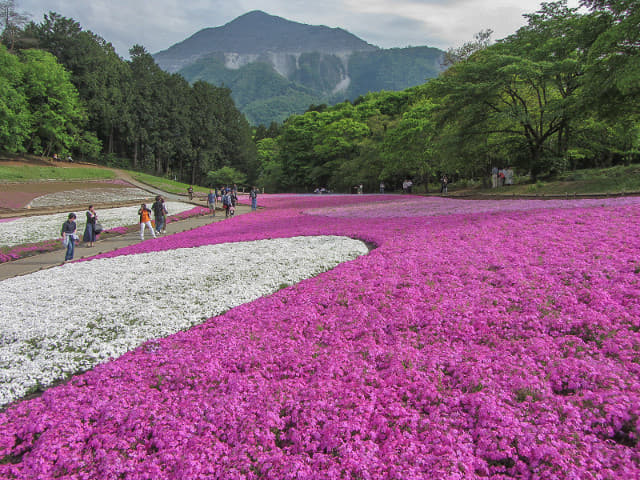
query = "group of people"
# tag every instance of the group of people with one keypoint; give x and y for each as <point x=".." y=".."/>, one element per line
<point x="159" y="210"/>
<point x="501" y="177"/>
<point x="227" y="197"/>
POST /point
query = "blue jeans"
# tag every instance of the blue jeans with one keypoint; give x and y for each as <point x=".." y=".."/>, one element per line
<point x="160" y="224"/>
<point x="71" y="245"/>
<point x="254" y="204"/>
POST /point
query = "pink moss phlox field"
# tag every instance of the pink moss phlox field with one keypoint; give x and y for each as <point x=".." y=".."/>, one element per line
<point x="500" y="344"/>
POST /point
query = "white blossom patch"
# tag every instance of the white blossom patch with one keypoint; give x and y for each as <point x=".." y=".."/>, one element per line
<point x="39" y="228"/>
<point x="70" y="318"/>
<point x="89" y="196"/>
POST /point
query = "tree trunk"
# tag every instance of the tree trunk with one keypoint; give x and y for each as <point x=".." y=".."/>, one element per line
<point x="135" y="155"/>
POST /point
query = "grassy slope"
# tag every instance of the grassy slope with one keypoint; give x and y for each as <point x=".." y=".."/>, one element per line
<point x="165" y="184"/>
<point x="32" y="173"/>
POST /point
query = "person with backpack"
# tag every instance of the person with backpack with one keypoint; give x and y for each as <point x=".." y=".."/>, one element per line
<point x="159" y="212"/>
<point x="226" y="203"/>
<point x="145" y="220"/>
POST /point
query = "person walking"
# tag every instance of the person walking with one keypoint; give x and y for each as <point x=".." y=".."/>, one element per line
<point x="226" y="203"/>
<point x="381" y="187"/>
<point x="190" y="192"/>
<point x="444" y="182"/>
<point x="159" y="213"/>
<point x="68" y="233"/>
<point x="145" y="220"/>
<point x="89" y="235"/>
<point x="211" y="201"/>
<point x="253" y="194"/>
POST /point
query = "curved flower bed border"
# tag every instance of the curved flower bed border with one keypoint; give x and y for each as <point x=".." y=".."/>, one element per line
<point x="500" y="344"/>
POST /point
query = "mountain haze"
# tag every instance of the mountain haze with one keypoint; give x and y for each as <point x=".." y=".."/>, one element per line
<point x="276" y="67"/>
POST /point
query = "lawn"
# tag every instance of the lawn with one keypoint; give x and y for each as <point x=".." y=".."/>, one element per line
<point x="31" y="173"/>
<point x="477" y="340"/>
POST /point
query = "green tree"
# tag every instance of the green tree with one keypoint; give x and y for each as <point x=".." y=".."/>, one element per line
<point x="102" y="78"/>
<point x="56" y="112"/>
<point x="522" y="91"/>
<point x="615" y="58"/>
<point x="15" y="118"/>
<point x="270" y="170"/>
<point x="226" y="176"/>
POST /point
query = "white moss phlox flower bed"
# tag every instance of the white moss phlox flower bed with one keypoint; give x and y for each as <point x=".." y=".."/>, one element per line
<point x="70" y="318"/>
<point x="93" y="195"/>
<point x="39" y="228"/>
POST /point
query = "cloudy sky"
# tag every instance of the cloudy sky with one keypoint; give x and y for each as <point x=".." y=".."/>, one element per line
<point x="158" y="24"/>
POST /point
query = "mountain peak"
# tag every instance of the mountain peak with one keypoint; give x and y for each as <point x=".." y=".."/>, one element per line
<point x="256" y="33"/>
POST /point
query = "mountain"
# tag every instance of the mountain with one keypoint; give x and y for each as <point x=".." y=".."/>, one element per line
<point x="276" y="67"/>
<point x="255" y="34"/>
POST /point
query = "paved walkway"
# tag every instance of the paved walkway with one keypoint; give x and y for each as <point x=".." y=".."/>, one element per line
<point x="52" y="259"/>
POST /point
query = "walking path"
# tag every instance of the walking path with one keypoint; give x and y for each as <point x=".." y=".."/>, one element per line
<point x="41" y="261"/>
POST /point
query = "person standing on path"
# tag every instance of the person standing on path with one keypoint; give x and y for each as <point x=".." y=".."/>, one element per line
<point x="444" y="183"/>
<point x="89" y="235"/>
<point x="159" y="213"/>
<point x="145" y="220"/>
<point x="68" y="233"/>
<point x="494" y="177"/>
<point x="190" y="192"/>
<point x="253" y="194"/>
<point x="211" y="201"/>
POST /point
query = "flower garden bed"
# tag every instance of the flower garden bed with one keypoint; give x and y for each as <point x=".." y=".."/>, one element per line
<point x="503" y="343"/>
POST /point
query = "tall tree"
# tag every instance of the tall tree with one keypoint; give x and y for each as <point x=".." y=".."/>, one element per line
<point x="99" y="74"/>
<point x="12" y="22"/>
<point x="15" y="118"/>
<point x="58" y="118"/>
<point x="615" y="57"/>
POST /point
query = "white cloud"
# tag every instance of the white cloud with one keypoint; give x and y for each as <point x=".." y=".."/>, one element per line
<point x="158" y="25"/>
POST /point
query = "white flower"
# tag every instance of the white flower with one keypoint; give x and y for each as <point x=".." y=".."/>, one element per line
<point x="70" y="318"/>
<point x="88" y="196"/>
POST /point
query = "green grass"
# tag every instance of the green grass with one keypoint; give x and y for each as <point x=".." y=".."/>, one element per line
<point x="613" y="180"/>
<point x="31" y="173"/>
<point x="165" y="184"/>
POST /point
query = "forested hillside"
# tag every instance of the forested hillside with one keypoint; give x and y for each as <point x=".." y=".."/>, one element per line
<point x="64" y="90"/>
<point x="559" y="94"/>
<point x="264" y="95"/>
